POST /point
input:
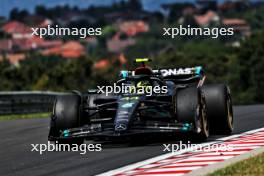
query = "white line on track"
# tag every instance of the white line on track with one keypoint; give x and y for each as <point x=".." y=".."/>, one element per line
<point x="174" y="169"/>
<point x="197" y="158"/>
<point x="224" y="153"/>
<point x="191" y="164"/>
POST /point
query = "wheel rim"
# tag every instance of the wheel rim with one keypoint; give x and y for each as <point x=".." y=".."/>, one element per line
<point x="229" y="113"/>
<point x="204" y="120"/>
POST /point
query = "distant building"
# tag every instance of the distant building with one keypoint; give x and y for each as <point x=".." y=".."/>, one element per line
<point x="209" y="18"/>
<point x="45" y="44"/>
<point x="101" y="64"/>
<point x="240" y="26"/>
<point x="5" y="45"/>
<point x="122" y="59"/>
<point x="27" y="44"/>
<point x="14" y="59"/>
<point x="71" y="49"/>
<point x="118" y="45"/>
<point x="17" y="29"/>
<point x="132" y="28"/>
<point x="106" y="63"/>
<point x="20" y="44"/>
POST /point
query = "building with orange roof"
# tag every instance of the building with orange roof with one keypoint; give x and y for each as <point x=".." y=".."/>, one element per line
<point x="105" y="63"/>
<point x="122" y="59"/>
<point x="102" y="64"/>
<point x="71" y="49"/>
<point x="234" y="21"/>
<point x="208" y="18"/>
<point x="240" y="26"/>
<point x="5" y="45"/>
<point x="132" y="28"/>
<point x="52" y="51"/>
<point x="26" y="44"/>
<point x="17" y="29"/>
<point x="14" y="59"/>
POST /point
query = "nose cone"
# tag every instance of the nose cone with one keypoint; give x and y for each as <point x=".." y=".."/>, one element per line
<point x="125" y="113"/>
<point x="123" y="116"/>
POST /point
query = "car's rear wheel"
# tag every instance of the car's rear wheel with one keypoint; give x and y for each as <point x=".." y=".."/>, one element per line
<point x="220" y="110"/>
<point x="66" y="114"/>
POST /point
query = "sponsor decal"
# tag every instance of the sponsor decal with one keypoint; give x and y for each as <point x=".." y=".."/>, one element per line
<point x="173" y="71"/>
<point x="180" y="71"/>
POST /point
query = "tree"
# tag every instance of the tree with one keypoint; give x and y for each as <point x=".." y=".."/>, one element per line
<point x="251" y="62"/>
<point x="15" y="14"/>
<point x="40" y="10"/>
<point x="134" y="5"/>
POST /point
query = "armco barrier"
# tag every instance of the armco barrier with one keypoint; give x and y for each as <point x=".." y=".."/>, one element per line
<point x="25" y="102"/>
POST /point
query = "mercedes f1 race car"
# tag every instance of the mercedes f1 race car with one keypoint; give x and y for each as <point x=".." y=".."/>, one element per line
<point x="186" y="105"/>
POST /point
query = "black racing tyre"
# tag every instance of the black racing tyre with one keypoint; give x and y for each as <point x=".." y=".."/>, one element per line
<point x="220" y="110"/>
<point x="66" y="114"/>
<point x="191" y="108"/>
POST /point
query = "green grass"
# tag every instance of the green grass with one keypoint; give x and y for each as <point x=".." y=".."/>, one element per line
<point x="24" y="116"/>
<point x="253" y="166"/>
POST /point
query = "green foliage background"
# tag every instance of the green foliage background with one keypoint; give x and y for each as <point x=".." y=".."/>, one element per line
<point x="242" y="68"/>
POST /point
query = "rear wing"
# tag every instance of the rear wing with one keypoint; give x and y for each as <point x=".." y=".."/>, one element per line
<point x="170" y="73"/>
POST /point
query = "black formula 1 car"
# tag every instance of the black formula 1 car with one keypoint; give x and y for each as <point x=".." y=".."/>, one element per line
<point x="187" y="105"/>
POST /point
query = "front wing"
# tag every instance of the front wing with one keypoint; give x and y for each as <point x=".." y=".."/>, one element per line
<point x="97" y="130"/>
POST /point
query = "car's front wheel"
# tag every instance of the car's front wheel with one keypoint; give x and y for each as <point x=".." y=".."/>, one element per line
<point x="191" y="108"/>
<point x="66" y="114"/>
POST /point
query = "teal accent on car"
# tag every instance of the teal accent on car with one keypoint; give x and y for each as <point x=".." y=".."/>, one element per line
<point x="187" y="125"/>
<point x="124" y="74"/>
<point x="198" y="70"/>
<point x="66" y="133"/>
<point x="127" y="105"/>
<point x="184" y="128"/>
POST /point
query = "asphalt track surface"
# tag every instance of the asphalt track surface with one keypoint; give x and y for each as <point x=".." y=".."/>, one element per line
<point x="16" y="157"/>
